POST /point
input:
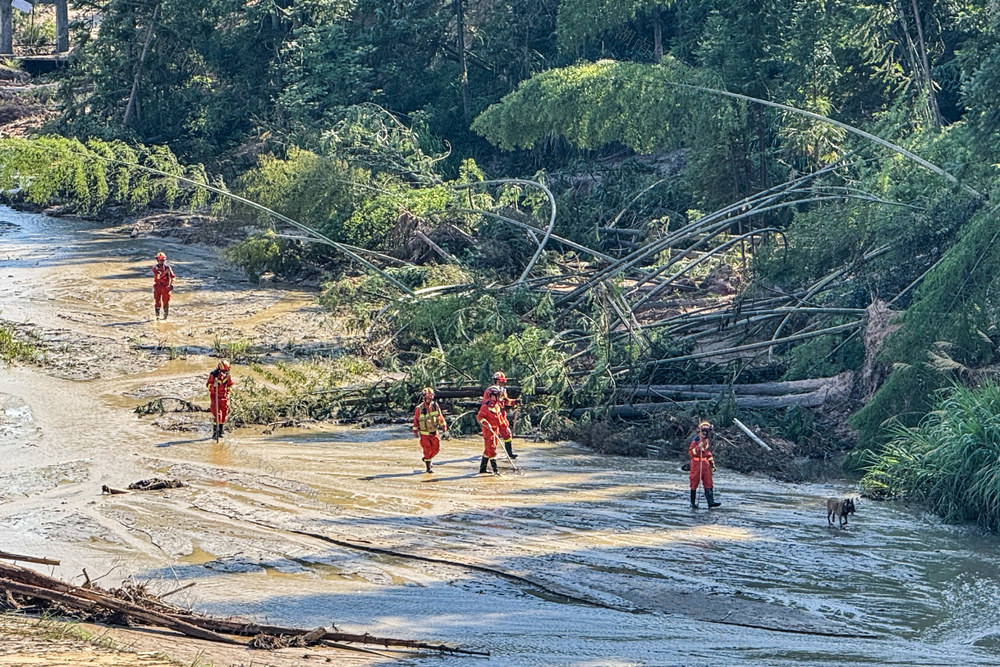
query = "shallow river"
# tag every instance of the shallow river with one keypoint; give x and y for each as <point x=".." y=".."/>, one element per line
<point x="582" y="560"/>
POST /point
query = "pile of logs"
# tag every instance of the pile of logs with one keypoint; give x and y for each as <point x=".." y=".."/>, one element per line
<point x="24" y="589"/>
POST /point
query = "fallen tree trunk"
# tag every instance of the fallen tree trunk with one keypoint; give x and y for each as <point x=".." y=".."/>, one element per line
<point x="756" y="389"/>
<point x="246" y="629"/>
<point x="31" y="584"/>
<point x="91" y="602"/>
<point x="638" y="410"/>
<point x="28" y="559"/>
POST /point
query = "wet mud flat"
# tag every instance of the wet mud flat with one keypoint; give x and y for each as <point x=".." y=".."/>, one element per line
<point x="583" y="559"/>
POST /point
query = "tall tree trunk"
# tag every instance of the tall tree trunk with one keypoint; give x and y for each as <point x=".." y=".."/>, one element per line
<point x="931" y="97"/>
<point x="917" y="64"/>
<point x="657" y="36"/>
<point x="460" y="14"/>
<point x="62" y="26"/>
<point x="6" y="28"/>
<point x="138" y="69"/>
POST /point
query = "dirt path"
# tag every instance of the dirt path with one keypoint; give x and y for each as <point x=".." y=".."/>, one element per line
<point x="582" y="560"/>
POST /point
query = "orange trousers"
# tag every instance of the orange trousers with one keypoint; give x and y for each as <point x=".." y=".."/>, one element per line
<point x="431" y="444"/>
<point x="700" y="471"/>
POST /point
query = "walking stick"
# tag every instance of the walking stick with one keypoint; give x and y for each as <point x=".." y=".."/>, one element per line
<point x="517" y="471"/>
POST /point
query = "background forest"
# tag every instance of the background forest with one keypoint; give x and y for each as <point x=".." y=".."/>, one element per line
<point x="738" y="189"/>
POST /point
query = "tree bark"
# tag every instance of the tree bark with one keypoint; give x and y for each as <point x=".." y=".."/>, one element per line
<point x="6" y="28"/>
<point x="657" y="36"/>
<point x="931" y="97"/>
<point x="138" y="69"/>
<point x="464" y="81"/>
<point x="62" y="26"/>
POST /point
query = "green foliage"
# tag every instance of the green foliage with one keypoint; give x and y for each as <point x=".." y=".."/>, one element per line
<point x="297" y="392"/>
<point x="579" y="19"/>
<point x="954" y="316"/>
<point x="265" y="252"/>
<point x="91" y="177"/>
<point x="15" y="348"/>
<point x="950" y="463"/>
<point x="594" y="104"/>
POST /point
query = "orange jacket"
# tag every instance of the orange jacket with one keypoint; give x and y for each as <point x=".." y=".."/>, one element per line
<point x="428" y="418"/>
<point x="163" y="276"/>
<point x="219" y="385"/>
<point x="491" y="413"/>
<point x="701" y="450"/>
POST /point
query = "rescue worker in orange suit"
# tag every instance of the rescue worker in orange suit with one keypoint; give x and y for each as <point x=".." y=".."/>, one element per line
<point x="219" y="384"/>
<point x="506" y="403"/>
<point x="163" y="284"/>
<point x="489" y="418"/>
<point x="427" y="419"/>
<point x="702" y="465"/>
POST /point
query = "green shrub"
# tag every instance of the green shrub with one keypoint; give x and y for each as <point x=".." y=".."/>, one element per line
<point x="950" y="462"/>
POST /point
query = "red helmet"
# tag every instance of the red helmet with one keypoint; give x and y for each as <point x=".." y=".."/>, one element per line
<point x="493" y="392"/>
<point x="705" y="426"/>
<point x="500" y="377"/>
<point x="428" y="392"/>
<point x="223" y="365"/>
<point x="160" y="257"/>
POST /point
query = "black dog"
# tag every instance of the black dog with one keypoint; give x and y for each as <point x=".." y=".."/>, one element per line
<point x="839" y="508"/>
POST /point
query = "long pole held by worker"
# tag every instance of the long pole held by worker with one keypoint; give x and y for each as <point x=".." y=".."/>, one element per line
<point x="517" y="471"/>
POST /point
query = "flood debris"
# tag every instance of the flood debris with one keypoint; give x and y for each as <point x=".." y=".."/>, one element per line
<point x="28" y="559"/>
<point x="132" y="604"/>
<point x="157" y="406"/>
<point x="155" y="484"/>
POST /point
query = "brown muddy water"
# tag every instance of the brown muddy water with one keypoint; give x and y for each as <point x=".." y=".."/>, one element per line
<point x="582" y="560"/>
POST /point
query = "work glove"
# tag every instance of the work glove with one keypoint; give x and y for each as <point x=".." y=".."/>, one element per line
<point x="446" y="435"/>
<point x="713" y="467"/>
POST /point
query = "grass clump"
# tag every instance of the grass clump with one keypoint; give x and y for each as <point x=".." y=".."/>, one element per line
<point x="13" y="348"/>
<point x="950" y="461"/>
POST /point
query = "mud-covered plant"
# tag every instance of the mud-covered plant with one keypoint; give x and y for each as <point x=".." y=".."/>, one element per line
<point x="15" y="348"/>
<point x="239" y="349"/>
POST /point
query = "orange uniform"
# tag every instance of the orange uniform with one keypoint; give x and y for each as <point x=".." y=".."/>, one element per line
<point x="219" y="384"/>
<point x="163" y="283"/>
<point x="505" y="402"/>
<point x="489" y="417"/>
<point x="427" y="419"/>
<point x="702" y="463"/>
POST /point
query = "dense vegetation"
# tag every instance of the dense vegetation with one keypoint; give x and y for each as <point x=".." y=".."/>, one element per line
<point x="822" y="154"/>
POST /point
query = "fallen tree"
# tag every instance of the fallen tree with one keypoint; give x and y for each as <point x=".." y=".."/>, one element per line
<point x="24" y="587"/>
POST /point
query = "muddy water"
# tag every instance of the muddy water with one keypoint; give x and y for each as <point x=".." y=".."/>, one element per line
<point x="581" y="560"/>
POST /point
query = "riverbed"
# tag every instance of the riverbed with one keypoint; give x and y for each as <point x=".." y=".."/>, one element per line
<point x="580" y="560"/>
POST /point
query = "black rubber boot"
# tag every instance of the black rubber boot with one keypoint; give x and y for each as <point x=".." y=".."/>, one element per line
<point x="157" y="313"/>
<point x="428" y="464"/>
<point x="221" y="429"/>
<point x="493" y="462"/>
<point x="166" y="310"/>
<point x="509" y="446"/>
<point x="694" y="499"/>
<point x="710" y="497"/>
<point x="482" y="466"/>
<point x="215" y="432"/>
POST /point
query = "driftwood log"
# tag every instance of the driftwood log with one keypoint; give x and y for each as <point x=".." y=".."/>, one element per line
<point x="26" y="583"/>
<point x="28" y="559"/>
